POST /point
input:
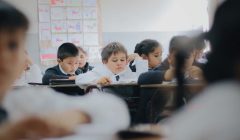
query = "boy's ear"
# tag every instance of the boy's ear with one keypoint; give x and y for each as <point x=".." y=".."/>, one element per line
<point x="104" y="61"/>
<point x="144" y="56"/>
<point x="59" y="60"/>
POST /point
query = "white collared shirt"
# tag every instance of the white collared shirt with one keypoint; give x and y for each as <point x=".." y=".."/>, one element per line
<point x="62" y="70"/>
<point x="125" y="76"/>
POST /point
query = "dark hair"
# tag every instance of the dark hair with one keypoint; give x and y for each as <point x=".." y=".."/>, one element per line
<point x="179" y="43"/>
<point x="146" y="46"/>
<point x="199" y="43"/>
<point x="11" y="18"/>
<point x="67" y="50"/>
<point x="81" y="50"/>
<point x="112" y="48"/>
<point x="224" y="37"/>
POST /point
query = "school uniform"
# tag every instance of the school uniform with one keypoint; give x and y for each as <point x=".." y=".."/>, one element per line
<point x="32" y="75"/>
<point x="86" y="68"/>
<point x="57" y="72"/>
<point x="37" y="101"/>
<point x="91" y="77"/>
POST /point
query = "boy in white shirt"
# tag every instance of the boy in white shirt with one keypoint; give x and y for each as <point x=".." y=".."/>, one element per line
<point x="114" y="68"/>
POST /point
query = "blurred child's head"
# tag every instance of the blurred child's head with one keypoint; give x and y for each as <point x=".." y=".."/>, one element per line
<point x="224" y="36"/>
<point x="68" y="57"/>
<point x="83" y="57"/>
<point x="114" y="56"/>
<point x="199" y="47"/>
<point x="178" y="43"/>
<point x="150" y="50"/>
<point x="13" y="28"/>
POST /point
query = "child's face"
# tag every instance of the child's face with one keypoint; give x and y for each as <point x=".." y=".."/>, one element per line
<point x="83" y="59"/>
<point x="69" y="64"/>
<point x="154" y="58"/>
<point x="12" y="56"/>
<point x="117" y="62"/>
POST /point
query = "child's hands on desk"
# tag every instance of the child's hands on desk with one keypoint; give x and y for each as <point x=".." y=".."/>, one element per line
<point x="54" y="125"/>
<point x="72" y="77"/>
<point x="104" y="81"/>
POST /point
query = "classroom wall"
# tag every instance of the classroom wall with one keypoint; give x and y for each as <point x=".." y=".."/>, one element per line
<point x="126" y="21"/>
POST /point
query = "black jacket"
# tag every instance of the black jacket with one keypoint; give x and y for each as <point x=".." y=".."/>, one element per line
<point x="55" y="73"/>
<point x="86" y="68"/>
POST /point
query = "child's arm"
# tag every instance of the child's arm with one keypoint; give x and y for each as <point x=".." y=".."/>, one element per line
<point x="54" y="125"/>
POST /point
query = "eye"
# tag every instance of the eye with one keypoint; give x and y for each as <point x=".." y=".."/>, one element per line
<point x="114" y="60"/>
<point x="122" y="60"/>
<point x="12" y="45"/>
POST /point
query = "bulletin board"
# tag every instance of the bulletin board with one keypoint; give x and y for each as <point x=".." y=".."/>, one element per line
<point x="75" y="21"/>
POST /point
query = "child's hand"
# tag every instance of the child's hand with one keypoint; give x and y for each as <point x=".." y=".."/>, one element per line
<point x="170" y="73"/>
<point x="195" y="73"/>
<point x="72" y="78"/>
<point x="104" y="81"/>
<point x="132" y="57"/>
<point x="55" y="125"/>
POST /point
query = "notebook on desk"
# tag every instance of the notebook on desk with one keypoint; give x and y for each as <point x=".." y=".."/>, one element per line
<point x="61" y="82"/>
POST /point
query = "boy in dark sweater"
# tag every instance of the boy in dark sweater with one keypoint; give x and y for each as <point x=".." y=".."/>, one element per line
<point x="68" y="60"/>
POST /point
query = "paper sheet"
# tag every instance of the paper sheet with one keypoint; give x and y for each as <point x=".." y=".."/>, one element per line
<point x="90" y="13"/>
<point x="74" y="13"/>
<point x="58" y="39"/>
<point x="89" y="2"/>
<point x="58" y="2"/>
<point x="74" y="3"/>
<point x="44" y="13"/>
<point x="90" y="26"/>
<point x="74" y="26"/>
<point x="58" y="13"/>
<point x="76" y="39"/>
<point x="59" y="26"/>
<point x="44" y="31"/>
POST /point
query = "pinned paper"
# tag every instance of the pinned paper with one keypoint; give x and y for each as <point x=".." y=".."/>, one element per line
<point x="43" y="1"/>
<point x="58" y="39"/>
<point x="74" y="26"/>
<point x="74" y="3"/>
<point x="59" y="26"/>
<point x="90" y="26"/>
<point x="44" y="13"/>
<point x="89" y="2"/>
<point x="58" y="2"/>
<point x="74" y="13"/>
<point x="44" y="31"/>
<point x="91" y="39"/>
<point x="58" y="13"/>
<point x="90" y="13"/>
<point x="76" y="39"/>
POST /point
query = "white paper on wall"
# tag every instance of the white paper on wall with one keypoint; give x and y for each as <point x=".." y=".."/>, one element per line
<point x="89" y="2"/>
<point x="58" y="2"/>
<point x="74" y="13"/>
<point x="90" y="26"/>
<point x="58" y="39"/>
<point x="90" y="13"/>
<point x="76" y="39"/>
<point x="44" y="13"/>
<point x="58" y="13"/>
<point x="44" y="31"/>
<point x="74" y="3"/>
<point x="74" y="26"/>
<point x="59" y="26"/>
